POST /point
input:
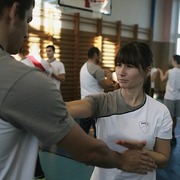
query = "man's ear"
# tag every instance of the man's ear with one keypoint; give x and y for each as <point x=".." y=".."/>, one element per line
<point x="14" y="11"/>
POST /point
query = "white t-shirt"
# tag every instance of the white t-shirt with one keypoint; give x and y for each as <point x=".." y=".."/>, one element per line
<point x="173" y="85"/>
<point x="20" y="148"/>
<point x="89" y="82"/>
<point x="57" y="68"/>
<point x="120" y="121"/>
<point x="47" y="67"/>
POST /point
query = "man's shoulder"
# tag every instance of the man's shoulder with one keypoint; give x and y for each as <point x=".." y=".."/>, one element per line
<point x="93" y="66"/>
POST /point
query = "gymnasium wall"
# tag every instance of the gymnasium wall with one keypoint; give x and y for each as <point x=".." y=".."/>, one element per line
<point x="74" y="31"/>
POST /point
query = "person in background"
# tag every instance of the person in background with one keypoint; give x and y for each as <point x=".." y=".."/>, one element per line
<point x="154" y="73"/>
<point x="58" y="70"/>
<point x="36" y="59"/>
<point x="93" y="79"/>
<point x="28" y="115"/>
<point x="129" y="113"/>
<point x="172" y="92"/>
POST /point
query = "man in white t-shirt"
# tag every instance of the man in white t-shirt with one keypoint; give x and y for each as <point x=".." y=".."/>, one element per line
<point x="172" y="93"/>
<point x="93" y="79"/>
<point x="58" y="70"/>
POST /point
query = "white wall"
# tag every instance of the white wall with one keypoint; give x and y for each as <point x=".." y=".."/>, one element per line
<point x="130" y="12"/>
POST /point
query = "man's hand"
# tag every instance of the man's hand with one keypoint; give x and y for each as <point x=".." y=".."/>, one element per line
<point x="136" y="161"/>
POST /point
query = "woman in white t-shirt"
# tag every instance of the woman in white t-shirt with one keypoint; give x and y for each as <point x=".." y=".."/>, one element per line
<point x="129" y="113"/>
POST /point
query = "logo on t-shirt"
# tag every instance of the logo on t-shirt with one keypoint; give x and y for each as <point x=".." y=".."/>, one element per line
<point x="144" y="126"/>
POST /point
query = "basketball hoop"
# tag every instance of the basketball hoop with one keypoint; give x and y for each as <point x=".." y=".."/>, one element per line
<point x="98" y="7"/>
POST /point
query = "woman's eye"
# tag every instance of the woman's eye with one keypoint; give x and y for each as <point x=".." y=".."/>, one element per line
<point x="130" y="65"/>
<point x="119" y="65"/>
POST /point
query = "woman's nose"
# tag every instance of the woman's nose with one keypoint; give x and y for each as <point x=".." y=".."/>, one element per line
<point x="122" y="70"/>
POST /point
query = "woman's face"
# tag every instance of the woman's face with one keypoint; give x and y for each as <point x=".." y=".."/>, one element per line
<point x="130" y="77"/>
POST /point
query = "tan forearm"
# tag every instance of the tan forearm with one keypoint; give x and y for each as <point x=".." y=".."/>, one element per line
<point x="89" y="150"/>
<point x="79" y="109"/>
<point x="163" y="76"/>
<point x="60" y="77"/>
<point x="160" y="159"/>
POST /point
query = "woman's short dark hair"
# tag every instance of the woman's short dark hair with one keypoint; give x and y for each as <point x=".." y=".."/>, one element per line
<point x="135" y="53"/>
<point x="23" y="6"/>
<point x="138" y="54"/>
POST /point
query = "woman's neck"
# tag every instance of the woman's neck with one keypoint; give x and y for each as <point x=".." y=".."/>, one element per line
<point x="133" y="98"/>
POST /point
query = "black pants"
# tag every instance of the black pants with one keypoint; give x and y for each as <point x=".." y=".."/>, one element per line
<point x="87" y="123"/>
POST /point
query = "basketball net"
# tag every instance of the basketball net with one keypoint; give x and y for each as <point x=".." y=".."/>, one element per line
<point x="98" y="7"/>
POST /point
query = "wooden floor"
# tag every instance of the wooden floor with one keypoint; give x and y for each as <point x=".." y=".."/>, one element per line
<point x="57" y="167"/>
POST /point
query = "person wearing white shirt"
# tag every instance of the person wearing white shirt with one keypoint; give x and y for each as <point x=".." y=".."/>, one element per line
<point x="58" y="69"/>
<point x="172" y="94"/>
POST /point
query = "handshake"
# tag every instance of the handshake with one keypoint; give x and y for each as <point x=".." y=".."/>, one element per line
<point x="136" y="158"/>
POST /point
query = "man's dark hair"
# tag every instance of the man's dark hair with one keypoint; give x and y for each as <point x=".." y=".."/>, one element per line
<point x="92" y="51"/>
<point x="176" y="58"/>
<point x="23" y="6"/>
<point x="51" y="46"/>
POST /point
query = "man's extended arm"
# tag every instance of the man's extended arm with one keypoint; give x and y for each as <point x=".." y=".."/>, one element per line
<point x="95" y="152"/>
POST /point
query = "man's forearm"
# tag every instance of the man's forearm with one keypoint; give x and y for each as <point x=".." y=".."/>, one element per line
<point x="89" y="150"/>
<point x="60" y="77"/>
<point x="129" y="161"/>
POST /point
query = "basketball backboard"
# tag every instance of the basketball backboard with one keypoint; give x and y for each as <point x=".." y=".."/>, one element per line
<point x="100" y="6"/>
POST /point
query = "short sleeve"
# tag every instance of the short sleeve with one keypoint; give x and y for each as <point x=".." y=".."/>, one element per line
<point x="61" y="68"/>
<point x="165" y="128"/>
<point x="107" y="104"/>
<point x="34" y="104"/>
<point x="96" y="71"/>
